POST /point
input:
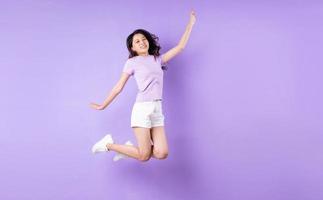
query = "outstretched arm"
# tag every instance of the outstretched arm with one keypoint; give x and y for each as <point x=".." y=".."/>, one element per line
<point x="114" y="92"/>
<point x="182" y="43"/>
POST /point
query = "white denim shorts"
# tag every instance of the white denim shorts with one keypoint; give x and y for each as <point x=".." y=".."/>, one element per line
<point x="147" y="114"/>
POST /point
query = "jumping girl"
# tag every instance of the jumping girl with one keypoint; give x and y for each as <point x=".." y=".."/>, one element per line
<point x="147" y="119"/>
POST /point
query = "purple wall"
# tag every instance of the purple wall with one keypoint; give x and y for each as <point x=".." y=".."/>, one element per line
<point x="243" y="102"/>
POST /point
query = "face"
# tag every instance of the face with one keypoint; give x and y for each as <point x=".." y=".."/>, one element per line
<point x="140" y="44"/>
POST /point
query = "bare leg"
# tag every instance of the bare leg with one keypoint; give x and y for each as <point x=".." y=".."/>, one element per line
<point x="142" y="152"/>
<point x="128" y="150"/>
<point x="160" y="148"/>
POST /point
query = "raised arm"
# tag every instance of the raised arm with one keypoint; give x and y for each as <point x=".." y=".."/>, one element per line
<point x="114" y="92"/>
<point x="182" y="43"/>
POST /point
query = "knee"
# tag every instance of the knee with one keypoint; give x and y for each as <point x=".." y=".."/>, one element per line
<point x="161" y="154"/>
<point x="144" y="156"/>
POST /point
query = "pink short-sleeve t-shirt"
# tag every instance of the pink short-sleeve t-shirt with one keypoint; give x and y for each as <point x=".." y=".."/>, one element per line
<point x="148" y="74"/>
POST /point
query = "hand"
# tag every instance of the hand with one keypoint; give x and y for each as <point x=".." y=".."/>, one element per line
<point x="97" y="106"/>
<point x="192" y="18"/>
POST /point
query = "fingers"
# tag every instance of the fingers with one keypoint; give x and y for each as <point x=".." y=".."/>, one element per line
<point x="192" y="17"/>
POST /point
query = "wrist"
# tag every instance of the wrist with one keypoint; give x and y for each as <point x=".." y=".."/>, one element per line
<point x="103" y="106"/>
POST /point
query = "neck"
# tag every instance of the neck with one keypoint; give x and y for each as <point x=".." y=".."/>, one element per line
<point x="143" y="54"/>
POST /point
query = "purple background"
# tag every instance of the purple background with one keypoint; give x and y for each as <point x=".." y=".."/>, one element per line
<point x="243" y="101"/>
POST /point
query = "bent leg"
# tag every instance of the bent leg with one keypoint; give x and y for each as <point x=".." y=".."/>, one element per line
<point x="160" y="148"/>
<point x="142" y="152"/>
<point x="144" y="143"/>
<point x="128" y="150"/>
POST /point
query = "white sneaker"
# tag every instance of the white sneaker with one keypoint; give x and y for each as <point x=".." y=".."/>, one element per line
<point x="119" y="156"/>
<point x="101" y="146"/>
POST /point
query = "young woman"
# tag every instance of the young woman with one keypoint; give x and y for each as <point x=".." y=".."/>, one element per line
<point x="147" y="119"/>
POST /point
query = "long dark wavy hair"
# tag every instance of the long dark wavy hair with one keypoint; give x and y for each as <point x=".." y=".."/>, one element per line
<point x="154" y="46"/>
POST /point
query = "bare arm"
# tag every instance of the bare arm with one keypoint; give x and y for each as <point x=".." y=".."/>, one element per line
<point x="182" y="43"/>
<point x="114" y="92"/>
